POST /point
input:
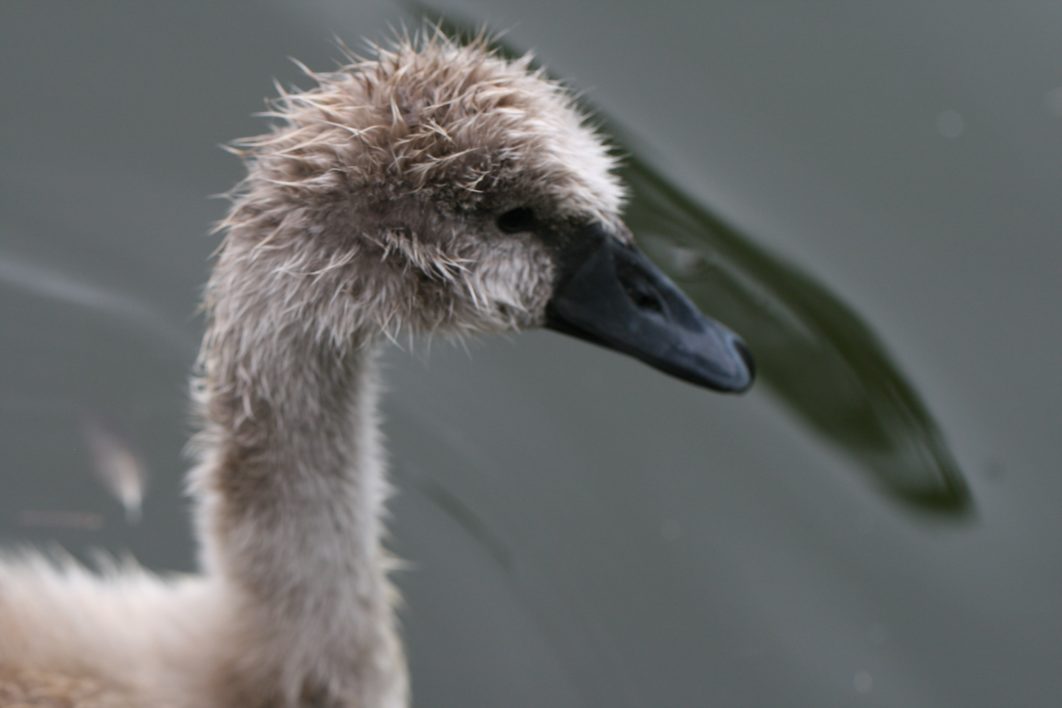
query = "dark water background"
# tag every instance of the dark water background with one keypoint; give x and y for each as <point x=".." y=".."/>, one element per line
<point x="868" y="193"/>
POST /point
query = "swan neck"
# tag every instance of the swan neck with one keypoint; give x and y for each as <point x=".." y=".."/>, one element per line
<point x="291" y="493"/>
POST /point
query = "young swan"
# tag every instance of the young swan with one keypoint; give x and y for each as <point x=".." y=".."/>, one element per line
<point x="431" y="188"/>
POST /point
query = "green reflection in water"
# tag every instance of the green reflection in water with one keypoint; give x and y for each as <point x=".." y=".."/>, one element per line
<point x="814" y="352"/>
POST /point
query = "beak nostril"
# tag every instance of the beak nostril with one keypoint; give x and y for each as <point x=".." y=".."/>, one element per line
<point x="645" y="298"/>
<point x="651" y="302"/>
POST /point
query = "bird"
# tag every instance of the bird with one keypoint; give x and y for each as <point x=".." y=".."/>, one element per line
<point x="428" y="185"/>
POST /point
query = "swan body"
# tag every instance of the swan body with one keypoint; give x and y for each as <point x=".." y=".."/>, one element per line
<point x="429" y="188"/>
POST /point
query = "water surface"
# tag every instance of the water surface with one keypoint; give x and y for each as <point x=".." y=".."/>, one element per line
<point x="869" y="194"/>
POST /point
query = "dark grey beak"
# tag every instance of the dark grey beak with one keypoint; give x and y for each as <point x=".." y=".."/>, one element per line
<point x="610" y="293"/>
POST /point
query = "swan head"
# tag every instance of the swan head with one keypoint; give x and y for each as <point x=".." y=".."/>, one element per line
<point x="438" y="187"/>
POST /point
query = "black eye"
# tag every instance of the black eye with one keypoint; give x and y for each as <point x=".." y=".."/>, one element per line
<point x="517" y="220"/>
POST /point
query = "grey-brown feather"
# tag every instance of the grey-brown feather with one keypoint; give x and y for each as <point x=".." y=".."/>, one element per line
<point x="368" y="210"/>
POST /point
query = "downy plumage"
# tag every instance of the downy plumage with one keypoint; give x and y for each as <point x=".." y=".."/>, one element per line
<point x="429" y="188"/>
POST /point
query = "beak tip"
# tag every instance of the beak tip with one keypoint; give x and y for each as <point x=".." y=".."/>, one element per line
<point x="740" y="369"/>
<point x="731" y="369"/>
<point x="743" y="383"/>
